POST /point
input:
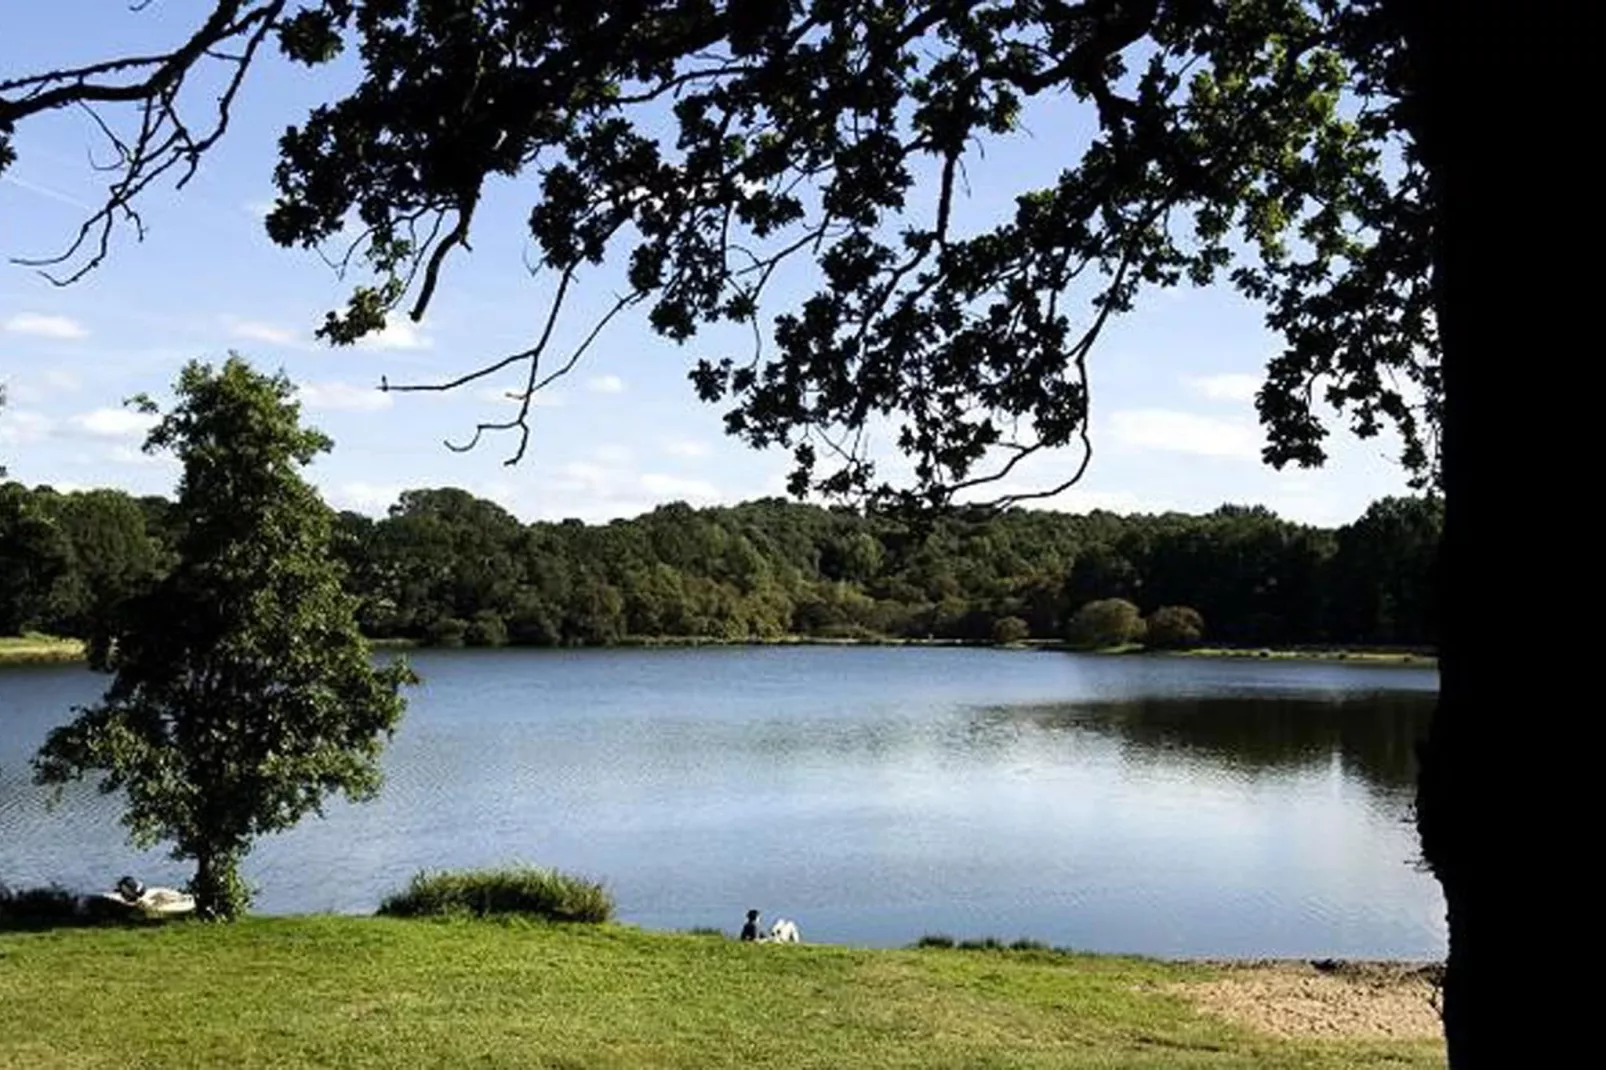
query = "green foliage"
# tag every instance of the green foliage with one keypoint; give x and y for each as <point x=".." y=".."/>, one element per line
<point x="486" y="629"/>
<point x="243" y="694"/>
<point x="1173" y="628"/>
<point x="1219" y="147"/>
<point x="34" y="554"/>
<point x="1380" y="572"/>
<point x="1107" y="622"/>
<point x="69" y="561"/>
<point x="524" y="890"/>
<point x="1007" y="630"/>
<point x="447" y="569"/>
<point x="447" y="632"/>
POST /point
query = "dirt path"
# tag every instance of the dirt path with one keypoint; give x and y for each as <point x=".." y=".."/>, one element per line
<point x="1339" y="1000"/>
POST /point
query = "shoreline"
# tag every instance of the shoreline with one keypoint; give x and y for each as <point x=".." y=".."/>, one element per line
<point x="35" y="649"/>
<point x="51" y="650"/>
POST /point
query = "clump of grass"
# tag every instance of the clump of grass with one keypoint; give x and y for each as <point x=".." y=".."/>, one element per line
<point x="527" y="891"/>
<point x="705" y="930"/>
<point x="984" y="943"/>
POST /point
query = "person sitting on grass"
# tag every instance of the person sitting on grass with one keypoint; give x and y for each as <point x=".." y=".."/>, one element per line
<point x="750" y="930"/>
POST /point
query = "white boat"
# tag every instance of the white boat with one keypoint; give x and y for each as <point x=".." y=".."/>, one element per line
<point x="134" y="898"/>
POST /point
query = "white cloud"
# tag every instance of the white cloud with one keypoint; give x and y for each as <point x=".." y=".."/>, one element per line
<point x="613" y="453"/>
<point x="257" y="331"/>
<point x="39" y="387"/>
<point x="596" y="490"/>
<point x="19" y="427"/>
<point x="685" y="447"/>
<point x="1185" y="432"/>
<point x="113" y="423"/>
<point x="1229" y="386"/>
<point x="691" y="490"/>
<point x="343" y="397"/>
<point x="585" y="478"/>
<point x="260" y="209"/>
<point x="360" y="497"/>
<point x="138" y="458"/>
<point x="398" y="334"/>
<point x="606" y="384"/>
<point x="41" y="326"/>
<point x="63" y="380"/>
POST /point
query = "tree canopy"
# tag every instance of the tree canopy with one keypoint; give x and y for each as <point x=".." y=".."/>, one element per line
<point x="705" y="144"/>
<point x="446" y="567"/>
<point x="243" y="694"/>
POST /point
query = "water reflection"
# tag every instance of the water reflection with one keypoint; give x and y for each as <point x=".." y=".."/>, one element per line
<point x="1373" y="736"/>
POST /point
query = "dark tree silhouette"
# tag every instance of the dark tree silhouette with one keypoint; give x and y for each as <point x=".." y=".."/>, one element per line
<point x="1249" y="140"/>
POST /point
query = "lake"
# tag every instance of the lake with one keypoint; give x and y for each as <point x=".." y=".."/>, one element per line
<point x="1167" y="806"/>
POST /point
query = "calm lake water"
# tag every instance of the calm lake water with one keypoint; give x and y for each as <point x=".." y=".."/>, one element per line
<point x="1165" y="806"/>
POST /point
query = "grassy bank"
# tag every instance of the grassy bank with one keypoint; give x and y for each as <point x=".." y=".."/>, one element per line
<point x="867" y="639"/>
<point x="36" y="649"/>
<point x="1359" y="656"/>
<point x="381" y="992"/>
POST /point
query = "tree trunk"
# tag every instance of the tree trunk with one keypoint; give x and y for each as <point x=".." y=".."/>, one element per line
<point x="1493" y="186"/>
<point x="217" y="886"/>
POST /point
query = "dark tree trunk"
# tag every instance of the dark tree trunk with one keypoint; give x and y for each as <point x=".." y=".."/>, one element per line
<point x="1442" y="806"/>
<point x="217" y="886"/>
<point x="1497" y="217"/>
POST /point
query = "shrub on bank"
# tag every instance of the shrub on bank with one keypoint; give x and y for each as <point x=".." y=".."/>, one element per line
<point x="1007" y="630"/>
<point x="523" y="890"/>
<point x="447" y="632"/>
<point x="28" y="908"/>
<point x="985" y="943"/>
<point x="1174" y="628"/>
<point x="1107" y="622"/>
<point x="486" y="629"/>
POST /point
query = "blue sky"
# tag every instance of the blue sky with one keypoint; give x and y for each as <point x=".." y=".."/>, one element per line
<point x="1174" y="423"/>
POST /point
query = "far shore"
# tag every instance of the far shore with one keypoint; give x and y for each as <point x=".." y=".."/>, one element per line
<point x="36" y="649"/>
<point x="39" y="649"/>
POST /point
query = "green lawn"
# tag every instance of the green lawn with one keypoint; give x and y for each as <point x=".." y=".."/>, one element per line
<point x="38" y="648"/>
<point x="367" y="992"/>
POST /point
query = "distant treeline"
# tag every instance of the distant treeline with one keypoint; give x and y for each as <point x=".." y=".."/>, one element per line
<point x="446" y="567"/>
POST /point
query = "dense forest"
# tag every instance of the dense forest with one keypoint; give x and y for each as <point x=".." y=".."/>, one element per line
<point x="445" y="567"/>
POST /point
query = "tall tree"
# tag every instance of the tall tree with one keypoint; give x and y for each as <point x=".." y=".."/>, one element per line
<point x="1309" y="149"/>
<point x="112" y="557"/>
<point x="34" y="555"/>
<point x="243" y="693"/>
